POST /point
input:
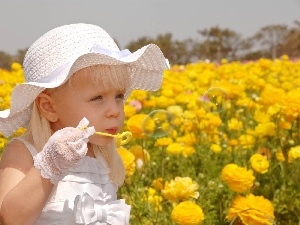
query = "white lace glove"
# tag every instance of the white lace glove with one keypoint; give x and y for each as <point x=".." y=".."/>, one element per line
<point x="63" y="150"/>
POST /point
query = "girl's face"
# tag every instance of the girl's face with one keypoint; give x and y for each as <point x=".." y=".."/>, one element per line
<point x="103" y="106"/>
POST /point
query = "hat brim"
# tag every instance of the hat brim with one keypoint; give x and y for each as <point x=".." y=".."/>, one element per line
<point x="146" y="67"/>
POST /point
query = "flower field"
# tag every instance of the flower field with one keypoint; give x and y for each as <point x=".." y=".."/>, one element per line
<point x="217" y="144"/>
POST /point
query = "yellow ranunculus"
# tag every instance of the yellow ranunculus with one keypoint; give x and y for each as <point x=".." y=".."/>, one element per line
<point x="135" y="123"/>
<point x="261" y="117"/>
<point x="16" y="66"/>
<point x="238" y="179"/>
<point x="279" y="156"/>
<point x="294" y="153"/>
<point x="265" y="129"/>
<point x="246" y="141"/>
<point x="174" y="149"/>
<point x="187" y="213"/>
<point x="158" y="183"/>
<point x="252" y="210"/>
<point x="175" y="109"/>
<point x="291" y="104"/>
<point x="259" y="163"/>
<point x="181" y="188"/>
<point x="188" y="150"/>
<point x="216" y="148"/>
<point x="235" y="124"/>
<point x="129" y="111"/>
<point x="163" y="141"/>
<point x="128" y="160"/>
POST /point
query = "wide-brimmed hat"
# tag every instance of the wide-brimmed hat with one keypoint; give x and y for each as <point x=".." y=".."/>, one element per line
<point x="59" y="53"/>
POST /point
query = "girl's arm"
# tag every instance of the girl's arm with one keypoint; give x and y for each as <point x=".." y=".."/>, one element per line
<point x="23" y="192"/>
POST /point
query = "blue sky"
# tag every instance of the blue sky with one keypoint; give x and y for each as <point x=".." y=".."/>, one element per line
<point x="22" y="22"/>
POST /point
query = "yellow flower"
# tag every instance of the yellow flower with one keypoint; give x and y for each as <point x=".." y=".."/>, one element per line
<point x="246" y="140"/>
<point x="174" y="149"/>
<point x="187" y="139"/>
<point x="265" y="129"/>
<point x="252" y="210"/>
<point x="158" y="184"/>
<point x="216" y="148"/>
<point x="285" y="125"/>
<point x="164" y="102"/>
<point x="129" y="111"/>
<point x="294" y="153"/>
<point x="175" y="109"/>
<point x="181" y="188"/>
<point x="164" y="141"/>
<point x="271" y="95"/>
<point x="128" y="160"/>
<point x="19" y="131"/>
<point x="285" y="57"/>
<point x="291" y="104"/>
<point x="135" y="123"/>
<point x="234" y="124"/>
<point x="233" y="142"/>
<point x="279" y="156"/>
<point x="154" y="199"/>
<point x="138" y="94"/>
<point x="16" y="66"/>
<point x="238" y="179"/>
<point x="261" y="117"/>
<point x="3" y="142"/>
<point x="187" y="213"/>
<point x="259" y="163"/>
<point x="141" y="155"/>
<point x="188" y="150"/>
<point x="273" y="109"/>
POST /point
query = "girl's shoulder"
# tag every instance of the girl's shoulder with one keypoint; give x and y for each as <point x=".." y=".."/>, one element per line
<point x="16" y="155"/>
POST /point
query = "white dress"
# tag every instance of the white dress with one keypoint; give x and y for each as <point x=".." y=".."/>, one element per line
<point x="85" y="195"/>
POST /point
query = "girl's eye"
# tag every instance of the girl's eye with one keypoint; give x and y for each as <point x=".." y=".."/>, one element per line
<point x="99" y="97"/>
<point x="121" y="96"/>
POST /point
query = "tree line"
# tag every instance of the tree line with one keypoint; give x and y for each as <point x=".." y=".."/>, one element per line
<point x="214" y="44"/>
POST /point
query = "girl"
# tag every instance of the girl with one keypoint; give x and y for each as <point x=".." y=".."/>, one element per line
<point x="60" y="171"/>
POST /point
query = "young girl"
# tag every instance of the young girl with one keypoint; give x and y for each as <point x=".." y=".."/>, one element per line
<point x="61" y="171"/>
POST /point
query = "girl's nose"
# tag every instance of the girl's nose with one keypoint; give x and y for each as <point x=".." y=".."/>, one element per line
<point x="112" y="110"/>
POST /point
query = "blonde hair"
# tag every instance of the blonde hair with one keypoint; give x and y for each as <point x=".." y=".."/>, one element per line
<point x="39" y="129"/>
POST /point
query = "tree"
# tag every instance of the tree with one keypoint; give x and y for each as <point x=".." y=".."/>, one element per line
<point x="20" y="56"/>
<point x="175" y="51"/>
<point x="291" y="45"/>
<point x="139" y="43"/>
<point x="271" y="37"/>
<point x="5" y="60"/>
<point x="219" y="43"/>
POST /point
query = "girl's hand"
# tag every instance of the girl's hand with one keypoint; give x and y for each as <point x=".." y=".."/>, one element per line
<point x="62" y="151"/>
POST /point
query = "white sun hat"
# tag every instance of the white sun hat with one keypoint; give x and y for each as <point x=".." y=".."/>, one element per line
<point x="59" y="53"/>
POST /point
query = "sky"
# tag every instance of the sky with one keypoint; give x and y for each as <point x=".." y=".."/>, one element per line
<point x="23" y="21"/>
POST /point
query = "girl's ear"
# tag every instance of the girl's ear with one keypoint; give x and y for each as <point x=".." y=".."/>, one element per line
<point x="45" y="104"/>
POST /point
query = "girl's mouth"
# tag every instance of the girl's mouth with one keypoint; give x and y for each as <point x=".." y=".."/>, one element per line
<point x="112" y="130"/>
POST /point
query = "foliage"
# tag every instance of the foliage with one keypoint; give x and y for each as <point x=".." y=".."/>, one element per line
<point x="6" y="59"/>
<point x="213" y="44"/>
<point x="257" y="131"/>
<point x="233" y="157"/>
